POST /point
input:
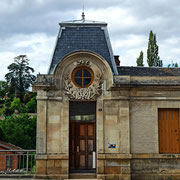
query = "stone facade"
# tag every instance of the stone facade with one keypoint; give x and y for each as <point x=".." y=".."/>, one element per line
<point x="126" y="115"/>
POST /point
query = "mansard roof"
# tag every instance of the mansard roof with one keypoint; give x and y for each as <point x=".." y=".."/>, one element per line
<point x="83" y="35"/>
<point x="148" y="71"/>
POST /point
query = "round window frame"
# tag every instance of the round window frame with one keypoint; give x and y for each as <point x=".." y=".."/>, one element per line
<point x="77" y="69"/>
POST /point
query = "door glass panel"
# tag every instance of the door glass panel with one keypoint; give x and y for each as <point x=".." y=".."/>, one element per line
<point x="83" y="117"/>
<point x="82" y="130"/>
<point x="83" y="111"/>
<point x="90" y="130"/>
<point x="90" y="159"/>
<point x="90" y="145"/>
<point x="82" y="161"/>
<point x="82" y="145"/>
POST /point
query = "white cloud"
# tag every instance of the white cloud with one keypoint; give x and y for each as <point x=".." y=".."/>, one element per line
<point x="38" y="48"/>
<point x="30" y="27"/>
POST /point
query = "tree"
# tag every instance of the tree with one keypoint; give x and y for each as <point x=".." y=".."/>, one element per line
<point x="139" y="60"/>
<point x="173" y="64"/>
<point x="5" y="110"/>
<point x="31" y="105"/>
<point x="19" y="130"/>
<point x="20" y="75"/>
<point x="18" y="127"/>
<point x="3" y="90"/>
<point x="153" y="58"/>
<point x="17" y="106"/>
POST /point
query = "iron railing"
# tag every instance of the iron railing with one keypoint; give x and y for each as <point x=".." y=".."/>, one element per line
<point x="17" y="161"/>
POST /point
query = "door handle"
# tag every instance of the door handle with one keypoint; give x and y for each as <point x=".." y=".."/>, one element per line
<point x="94" y="160"/>
<point x="77" y="148"/>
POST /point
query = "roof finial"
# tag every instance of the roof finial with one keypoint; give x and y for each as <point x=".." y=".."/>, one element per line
<point x="83" y="15"/>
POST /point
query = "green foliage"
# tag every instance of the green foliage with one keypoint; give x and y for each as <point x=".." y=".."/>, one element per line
<point x="3" y="89"/>
<point x="5" y="110"/>
<point x="19" y="77"/>
<point x="2" y="136"/>
<point x="153" y="58"/>
<point x="20" y="130"/>
<point x="28" y="96"/>
<point x="16" y="105"/>
<point x="33" y="169"/>
<point x="139" y="60"/>
<point x="31" y="105"/>
<point x="18" y="127"/>
<point x="173" y="64"/>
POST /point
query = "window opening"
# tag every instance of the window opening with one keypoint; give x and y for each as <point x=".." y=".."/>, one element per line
<point x="9" y="161"/>
<point x="82" y="77"/>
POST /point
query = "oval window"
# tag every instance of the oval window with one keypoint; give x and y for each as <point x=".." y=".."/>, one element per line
<point x="82" y="77"/>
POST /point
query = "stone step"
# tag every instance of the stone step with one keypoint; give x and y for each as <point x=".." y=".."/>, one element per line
<point x="87" y="176"/>
<point x="83" y="179"/>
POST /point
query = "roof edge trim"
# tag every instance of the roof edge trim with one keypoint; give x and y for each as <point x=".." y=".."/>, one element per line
<point x="110" y="51"/>
<point x="84" y="23"/>
<point x="59" y="34"/>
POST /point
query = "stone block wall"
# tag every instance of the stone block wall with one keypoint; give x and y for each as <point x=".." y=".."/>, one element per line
<point x="144" y="128"/>
<point x="116" y="126"/>
<point x="155" y="167"/>
<point x="53" y="168"/>
<point x="114" y="166"/>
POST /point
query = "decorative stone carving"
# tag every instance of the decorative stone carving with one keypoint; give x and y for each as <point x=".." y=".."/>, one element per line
<point x="89" y="93"/>
<point x="82" y="63"/>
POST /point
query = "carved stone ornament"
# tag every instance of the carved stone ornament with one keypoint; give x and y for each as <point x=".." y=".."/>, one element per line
<point x="89" y="93"/>
<point x="82" y="63"/>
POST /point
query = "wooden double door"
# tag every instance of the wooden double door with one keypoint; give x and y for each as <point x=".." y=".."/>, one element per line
<point x="82" y="143"/>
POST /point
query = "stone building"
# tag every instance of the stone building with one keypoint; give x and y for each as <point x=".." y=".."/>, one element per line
<point x="100" y="120"/>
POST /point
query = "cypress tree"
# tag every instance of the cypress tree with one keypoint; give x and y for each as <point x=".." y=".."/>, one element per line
<point x="153" y="58"/>
<point x="139" y="60"/>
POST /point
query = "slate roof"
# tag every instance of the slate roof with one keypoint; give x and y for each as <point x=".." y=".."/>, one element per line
<point x="83" y="36"/>
<point x="148" y="71"/>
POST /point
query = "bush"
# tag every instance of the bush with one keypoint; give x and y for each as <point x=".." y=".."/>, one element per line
<point x="20" y="130"/>
<point x="31" y="105"/>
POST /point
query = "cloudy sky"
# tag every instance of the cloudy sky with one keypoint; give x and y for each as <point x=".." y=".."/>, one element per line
<point x="30" y="27"/>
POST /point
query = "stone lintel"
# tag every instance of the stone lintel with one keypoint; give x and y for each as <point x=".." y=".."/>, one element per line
<point x="113" y="156"/>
